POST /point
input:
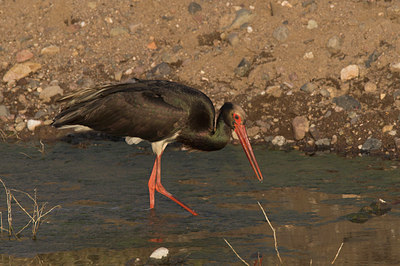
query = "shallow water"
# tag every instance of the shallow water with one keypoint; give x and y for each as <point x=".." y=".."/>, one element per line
<point x="104" y="219"/>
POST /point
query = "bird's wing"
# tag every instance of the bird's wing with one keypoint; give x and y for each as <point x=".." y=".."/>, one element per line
<point x="134" y="113"/>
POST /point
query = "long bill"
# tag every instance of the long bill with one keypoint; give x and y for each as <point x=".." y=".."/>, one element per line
<point x="244" y="140"/>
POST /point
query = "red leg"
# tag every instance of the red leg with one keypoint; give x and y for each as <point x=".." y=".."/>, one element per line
<point x="152" y="183"/>
<point x="159" y="187"/>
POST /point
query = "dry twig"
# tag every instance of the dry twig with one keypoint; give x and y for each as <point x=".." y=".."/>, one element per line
<point x="236" y="253"/>
<point x="337" y="253"/>
<point x="273" y="230"/>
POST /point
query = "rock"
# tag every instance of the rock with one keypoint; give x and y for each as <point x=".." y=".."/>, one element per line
<point x="323" y="142"/>
<point x="309" y="87"/>
<point x="152" y="45"/>
<point x="20" y="126"/>
<point x="281" y="33"/>
<point x="118" y="75"/>
<point x="334" y="139"/>
<point x="233" y="39"/>
<point x="349" y="72"/>
<point x="347" y="102"/>
<point x="253" y="131"/>
<point x="278" y="141"/>
<point x="243" y="69"/>
<point x="194" y="7"/>
<point x="160" y="254"/>
<point x="21" y="70"/>
<point x="159" y="71"/>
<point x="395" y="67"/>
<point x="334" y="45"/>
<point x="396" y="94"/>
<point x="315" y="132"/>
<point x="372" y="58"/>
<point x="259" y="76"/>
<point x="24" y="55"/>
<point x="50" y="50"/>
<point x="308" y="55"/>
<point x="397" y="143"/>
<point x="370" y="87"/>
<point x="312" y="24"/>
<point x="32" y="124"/>
<point x="387" y="128"/>
<point x="118" y="31"/>
<point x="325" y="93"/>
<point x="300" y="126"/>
<point x="49" y="92"/>
<point x="133" y="28"/>
<point x="275" y="91"/>
<point x="371" y="144"/>
<point x="243" y="16"/>
<point x="4" y="112"/>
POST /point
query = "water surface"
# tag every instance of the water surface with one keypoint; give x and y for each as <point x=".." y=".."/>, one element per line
<point x="105" y="220"/>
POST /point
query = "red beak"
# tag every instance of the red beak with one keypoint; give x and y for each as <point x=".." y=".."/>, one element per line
<point x="244" y="140"/>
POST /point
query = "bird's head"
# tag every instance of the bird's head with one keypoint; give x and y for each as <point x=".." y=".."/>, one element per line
<point x="235" y="117"/>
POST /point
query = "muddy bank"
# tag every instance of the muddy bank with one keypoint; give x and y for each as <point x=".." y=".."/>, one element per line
<point x="312" y="75"/>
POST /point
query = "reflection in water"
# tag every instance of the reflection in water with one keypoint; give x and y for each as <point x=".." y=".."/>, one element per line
<point x="105" y="219"/>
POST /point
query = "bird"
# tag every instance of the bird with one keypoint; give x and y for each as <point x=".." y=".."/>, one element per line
<point x="159" y="112"/>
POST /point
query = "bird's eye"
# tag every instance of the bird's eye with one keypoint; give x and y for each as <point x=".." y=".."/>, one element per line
<point x="237" y="118"/>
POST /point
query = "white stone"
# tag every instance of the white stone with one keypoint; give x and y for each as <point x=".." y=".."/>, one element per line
<point x="159" y="253"/>
<point x="279" y="141"/>
<point x="349" y="72"/>
<point x="32" y="124"/>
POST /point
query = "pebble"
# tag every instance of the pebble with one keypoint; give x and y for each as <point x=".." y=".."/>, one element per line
<point x="396" y="94"/>
<point x="370" y="87"/>
<point x="334" y="45"/>
<point x="325" y="93"/>
<point x="152" y="45"/>
<point x="118" y="75"/>
<point x="49" y="92"/>
<point x="312" y="24"/>
<point x="194" y="8"/>
<point x="371" y="144"/>
<point x="243" y="68"/>
<point x="21" y="70"/>
<point x="243" y="16"/>
<point x="32" y="124"/>
<point x="349" y="72"/>
<point x="119" y="31"/>
<point x="278" y="141"/>
<point x="323" y="142"/>
<point x="24" y="55"/>
<point x="309" y="87"/>
<point x="387" y="128"/>
<point x="347" y="102"/>
<point x="334" y="139"/>
<point x="395" y="67"/>
<point x="300" y="126"/>
<point x="4" y="112"/>
<point x="275" y="91"/>
<point x="281" y="33"/>
<point x="233" y="39"/>
<point x="308" y="55"/>
<point x="50" y="50"/>
<point x="160" y="254"/>
<point x="20" y="126"/>
<point x="159" y="71"/>
<point x="253" y="131"/>
<point x="397" y="143"/>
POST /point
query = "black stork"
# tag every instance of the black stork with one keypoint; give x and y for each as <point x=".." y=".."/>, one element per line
<point x="159" y="112"/>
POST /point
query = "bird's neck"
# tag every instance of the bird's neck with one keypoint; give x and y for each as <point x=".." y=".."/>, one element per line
<point x="208" y="140"/>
